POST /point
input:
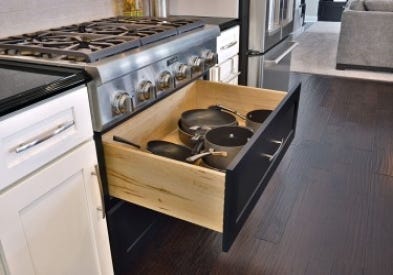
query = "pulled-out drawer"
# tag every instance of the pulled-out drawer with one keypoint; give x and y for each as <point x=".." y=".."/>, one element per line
<point x="218" y="200"/>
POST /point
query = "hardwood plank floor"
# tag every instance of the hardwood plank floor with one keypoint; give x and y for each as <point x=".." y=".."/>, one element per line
<point x="327" y="208"/>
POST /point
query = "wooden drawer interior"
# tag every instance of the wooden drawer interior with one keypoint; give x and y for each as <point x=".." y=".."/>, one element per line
<point x="185" y="191"/>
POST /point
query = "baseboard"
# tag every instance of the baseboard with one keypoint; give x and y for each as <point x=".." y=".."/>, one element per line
<point x="340" y="66"/>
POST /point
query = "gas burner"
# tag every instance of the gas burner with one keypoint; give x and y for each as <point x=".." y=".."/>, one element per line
<point x="68" y="46"/>
<point x="146" y="33"/>
<point x="182" y="25"/>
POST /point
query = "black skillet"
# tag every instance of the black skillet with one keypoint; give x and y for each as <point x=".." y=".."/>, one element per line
<point x="162" y="148"/>
<point x="209" y="118"/>
<point x="169" y="149"/>
<point x="194" y="123"/>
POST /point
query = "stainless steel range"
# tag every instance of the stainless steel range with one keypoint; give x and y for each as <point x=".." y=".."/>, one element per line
<point x="133" y="62"/>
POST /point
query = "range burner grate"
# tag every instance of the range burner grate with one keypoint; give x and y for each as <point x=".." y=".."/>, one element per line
<point x="91" y="41"/>
<point x="81" y="47"/>
<point x="181" y="24"/>
<point x="146" y="33"/>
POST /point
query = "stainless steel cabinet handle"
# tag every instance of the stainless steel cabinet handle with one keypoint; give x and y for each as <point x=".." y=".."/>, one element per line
<point x="97" y="174"/>
<point x="41" y="138"/>
<point x="229" y="45"/>
<point x="272" y="157"/>
<point x="284" y="54"/>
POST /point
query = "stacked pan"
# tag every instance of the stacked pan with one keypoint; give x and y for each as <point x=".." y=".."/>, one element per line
<point x="211" y="134"/>
<point x="214" y="133"/>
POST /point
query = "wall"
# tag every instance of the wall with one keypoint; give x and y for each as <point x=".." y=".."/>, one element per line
<point x="218" y="8"/>
<point x="23" y="16"/>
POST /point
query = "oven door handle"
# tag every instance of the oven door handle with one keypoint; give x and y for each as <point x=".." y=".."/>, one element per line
<point x="44" y="137"/>
<point x="277" y="60"/>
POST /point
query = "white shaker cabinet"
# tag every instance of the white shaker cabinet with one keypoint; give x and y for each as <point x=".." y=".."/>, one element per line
<point x="227" y="69"/>
<point x="50" y="201"/>
<point x="50" y="223"/>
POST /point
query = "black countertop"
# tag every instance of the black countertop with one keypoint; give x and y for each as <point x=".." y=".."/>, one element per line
<point x="223" y="22"/>
<point x="24" y="84"/>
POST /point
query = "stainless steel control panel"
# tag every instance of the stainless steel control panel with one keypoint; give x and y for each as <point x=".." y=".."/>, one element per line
<point x="146" y="77"/>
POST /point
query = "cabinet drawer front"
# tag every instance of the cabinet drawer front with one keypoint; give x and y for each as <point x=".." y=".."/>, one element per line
<point x="249" y="173"/>
<point x="34" y="136"/>
<point x="226" y="72"/>
<point x="228" y="44"/>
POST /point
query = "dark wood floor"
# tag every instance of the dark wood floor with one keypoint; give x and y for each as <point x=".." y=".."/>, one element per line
<point x="328" y="209"/>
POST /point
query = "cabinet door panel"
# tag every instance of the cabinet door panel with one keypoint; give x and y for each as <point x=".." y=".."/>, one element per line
<point x="56" y="227"/>
<point x="49" y="226"/>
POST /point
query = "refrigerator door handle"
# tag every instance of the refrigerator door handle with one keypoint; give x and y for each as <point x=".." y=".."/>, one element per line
<point x="283" y="55"/>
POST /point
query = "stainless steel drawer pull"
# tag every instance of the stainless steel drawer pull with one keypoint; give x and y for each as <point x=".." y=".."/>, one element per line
<point x="272" y="157"/>
<point x="97" y="174"/>
<point x="229" y="45"/>
<point x="59" y="129"/>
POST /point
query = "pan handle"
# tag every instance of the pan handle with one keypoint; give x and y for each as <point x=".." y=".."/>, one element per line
<point x="198" y="146"/>
<point x="210" y="152"/>
<point x="123" y="140"/>
<point x="223" y="108"/>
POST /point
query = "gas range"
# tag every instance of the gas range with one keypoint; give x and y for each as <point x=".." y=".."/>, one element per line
<point x="133" y="62"/>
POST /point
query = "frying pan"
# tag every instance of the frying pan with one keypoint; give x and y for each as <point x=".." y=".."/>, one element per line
<point x="162" y="148"/>
<point x="253" y="119"/>
<point x="169" y="149"/>
<point x="191" y="136"/>
<point x="222" y="144"/>
<point x="209" y="118"/>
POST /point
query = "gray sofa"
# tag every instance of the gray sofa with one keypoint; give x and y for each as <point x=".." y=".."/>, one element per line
<point x="366" y="36"/>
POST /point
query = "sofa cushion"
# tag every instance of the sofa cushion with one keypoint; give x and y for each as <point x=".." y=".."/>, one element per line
<point x="379" y="5"/>
<point x="357" y="5"/>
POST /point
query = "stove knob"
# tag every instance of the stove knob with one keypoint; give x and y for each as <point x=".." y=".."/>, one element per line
<point x="145" y="90"/>
<point x="165" y="81"/>
<point x="197" y="64"/>
<point x="211" y="58"/>
<point x="122" y="103"/>
<point x="182" y="71"/>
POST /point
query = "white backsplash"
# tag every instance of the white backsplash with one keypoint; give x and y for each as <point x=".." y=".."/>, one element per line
<point x="218" y="8"/>
<point x="24" y="16"/>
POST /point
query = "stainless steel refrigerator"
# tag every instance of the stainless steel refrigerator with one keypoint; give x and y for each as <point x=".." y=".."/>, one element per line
<point x="270" y="25"/>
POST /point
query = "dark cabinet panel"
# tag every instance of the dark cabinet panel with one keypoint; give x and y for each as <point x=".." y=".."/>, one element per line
<point x="247" y="178"/>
